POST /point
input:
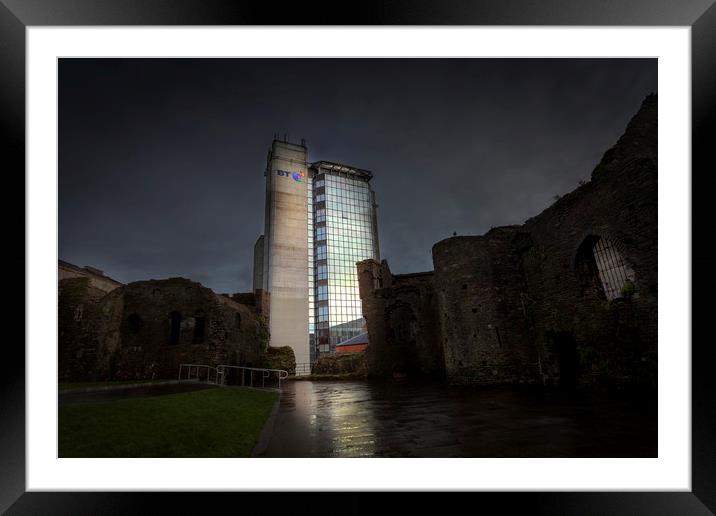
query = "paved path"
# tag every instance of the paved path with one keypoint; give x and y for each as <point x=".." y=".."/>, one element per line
<point x="402" y="419"/>
<point x="130" y="392"/>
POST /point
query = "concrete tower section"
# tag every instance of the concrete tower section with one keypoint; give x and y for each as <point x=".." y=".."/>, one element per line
<point x="259" y="247"/>
<point x="286" y="247"/>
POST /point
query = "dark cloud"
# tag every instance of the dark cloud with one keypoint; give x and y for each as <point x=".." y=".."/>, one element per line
<point x="161" y="161"/>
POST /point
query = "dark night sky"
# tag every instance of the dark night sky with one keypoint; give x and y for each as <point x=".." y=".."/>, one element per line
<point x="161" y="161"/>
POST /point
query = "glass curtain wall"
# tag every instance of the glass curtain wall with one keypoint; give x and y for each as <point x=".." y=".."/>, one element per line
<point x="343" y="233"/>
<point x="311" y="271"/>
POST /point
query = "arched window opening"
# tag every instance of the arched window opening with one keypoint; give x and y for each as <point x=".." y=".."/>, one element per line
<point x="602" y="268"/>
<point x="614" y="273"/>
<point x="199" y="326"/>
<point x="237" y="320"/>
<point x="134" y="322"/>
<point x="405" y="324"/>
<point x="175" y="322"/>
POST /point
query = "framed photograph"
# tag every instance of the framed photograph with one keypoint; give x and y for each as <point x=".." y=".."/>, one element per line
<point x="442" y="277"/>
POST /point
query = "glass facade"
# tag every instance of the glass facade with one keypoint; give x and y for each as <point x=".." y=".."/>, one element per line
<point x="311" y="270"/>
<point x="341" y="231"/>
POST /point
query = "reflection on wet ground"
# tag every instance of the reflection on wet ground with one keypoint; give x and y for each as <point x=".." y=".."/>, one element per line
<point x="130" y="392"/>
<point x="403" y="419"/>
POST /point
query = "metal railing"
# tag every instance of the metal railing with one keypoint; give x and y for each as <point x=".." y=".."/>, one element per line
<point x="303" y="368"/>
<point x="198" y="369"/>
<point x="221" y="374"/>
<point x="263" y="374"/>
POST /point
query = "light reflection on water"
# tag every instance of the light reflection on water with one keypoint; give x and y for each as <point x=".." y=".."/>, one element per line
<point x="402" y="419"/>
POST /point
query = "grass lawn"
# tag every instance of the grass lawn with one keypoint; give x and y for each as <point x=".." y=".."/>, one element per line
<point x="221" y="422"/>
<point x="85" y="385"/>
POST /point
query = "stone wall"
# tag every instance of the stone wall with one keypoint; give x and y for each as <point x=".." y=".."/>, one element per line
<point x="614" y="340"/>
<point x="280" y="358"/>
<point x="483" y="326"/>
<point x="401" y="316"/>
<point x="528" y="303"/>
<point x="340" y="364"/>
<point x="145" y="329"/>
<point x="76" y="315"/>
<point x="97" y="279"/>
<point x="259" y="300"/>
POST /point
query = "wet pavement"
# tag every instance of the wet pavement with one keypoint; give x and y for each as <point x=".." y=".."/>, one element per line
<point x="144" y="391"/>
<point x="403" y="419"/>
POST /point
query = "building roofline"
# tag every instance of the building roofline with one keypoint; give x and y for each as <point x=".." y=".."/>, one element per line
<point x="301" y="145"/>
<point x="339" y="167"/>
<point x="361" y="338"/>
<point x="413" y="274"/>
<point x="85" y="270"/>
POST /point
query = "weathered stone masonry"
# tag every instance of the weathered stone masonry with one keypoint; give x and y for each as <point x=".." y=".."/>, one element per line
<point x="145" y="329"/>
<point x="529" y="303"/>
<point x="401" y="316"/>
<point x="480" y="298"/>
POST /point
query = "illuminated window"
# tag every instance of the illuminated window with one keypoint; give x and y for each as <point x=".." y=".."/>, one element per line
<point x="322" y="313"/>
<point x="320" y="233"/>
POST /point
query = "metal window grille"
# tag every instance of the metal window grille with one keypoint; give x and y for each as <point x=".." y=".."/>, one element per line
<point x="613" y="272"/>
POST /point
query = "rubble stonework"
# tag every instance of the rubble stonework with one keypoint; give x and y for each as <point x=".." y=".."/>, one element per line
<point x="480" y="295"/>
<point x="340" y="365"/>
<point x="145" y="329"/>
<point x="524" y="304"/>
<point x="97" y="278"/>
<point x="259" y="300"/>
<point x="400" y="312"/>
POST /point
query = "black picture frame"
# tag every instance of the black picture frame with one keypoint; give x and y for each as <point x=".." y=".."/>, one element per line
<point x="700" y="15"/>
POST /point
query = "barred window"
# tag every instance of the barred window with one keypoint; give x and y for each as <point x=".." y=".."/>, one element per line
<point x="614" y="273"/>
<point x="602" y="269"/>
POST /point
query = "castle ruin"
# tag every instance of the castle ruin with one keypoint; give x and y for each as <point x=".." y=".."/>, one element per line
<point x="568" y="297"/>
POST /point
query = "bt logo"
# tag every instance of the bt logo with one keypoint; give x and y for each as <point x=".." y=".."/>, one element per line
<point x="296" y="176"/>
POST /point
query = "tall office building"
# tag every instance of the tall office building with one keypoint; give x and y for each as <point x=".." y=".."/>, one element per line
<point x="345" y="231"/>
<point x="320" y="221"/>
